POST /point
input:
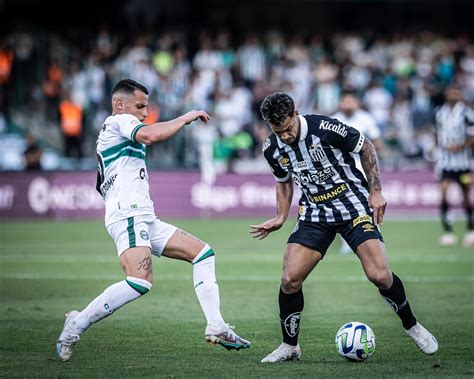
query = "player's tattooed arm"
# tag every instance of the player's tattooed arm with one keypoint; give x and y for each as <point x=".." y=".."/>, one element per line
<point x="368" y="159"/>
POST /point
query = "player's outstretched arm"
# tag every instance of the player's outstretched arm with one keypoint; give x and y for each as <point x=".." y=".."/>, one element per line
<point x="368" y="159"/>
<point x="284" y="195"/>
<point x="161" y="131"/>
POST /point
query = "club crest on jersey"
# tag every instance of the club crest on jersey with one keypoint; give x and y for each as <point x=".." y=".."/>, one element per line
<point x="317" y="153"/>
<point x="336" y="128"/>
<point x="284" y="162"/>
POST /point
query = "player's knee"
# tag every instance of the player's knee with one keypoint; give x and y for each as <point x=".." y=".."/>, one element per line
<point x="290" y="284"/>
<point x="382" y="278"/>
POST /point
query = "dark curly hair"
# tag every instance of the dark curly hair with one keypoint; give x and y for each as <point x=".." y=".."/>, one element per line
<point x="276" y="107"/>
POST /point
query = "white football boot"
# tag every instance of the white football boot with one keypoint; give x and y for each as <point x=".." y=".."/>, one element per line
<point x="225" y="337"/>
<point x="425" y="341"/>
<point x="67" y="339"/>
<point x="448" y="239"/>
<point x="468" y="240"/>
<point x="283" y="353"/>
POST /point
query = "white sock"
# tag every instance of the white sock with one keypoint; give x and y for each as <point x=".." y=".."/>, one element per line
<point x="114" y="297"/>
<point x="205" y="285"/>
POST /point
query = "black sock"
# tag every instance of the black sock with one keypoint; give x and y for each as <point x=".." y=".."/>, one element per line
<point x="397" y="299"/>
<point x="444" y="217"/>
<point x="291" y="306"/>
<point x="470" y="218"/>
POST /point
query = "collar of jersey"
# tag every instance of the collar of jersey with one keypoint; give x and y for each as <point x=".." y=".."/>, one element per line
<point x="303" y="131"/>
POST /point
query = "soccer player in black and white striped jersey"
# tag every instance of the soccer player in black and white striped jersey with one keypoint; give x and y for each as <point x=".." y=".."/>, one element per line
<point x="455" y="136"/>
<point x="317" y="153"/>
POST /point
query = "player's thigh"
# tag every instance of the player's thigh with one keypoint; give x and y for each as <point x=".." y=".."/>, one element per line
<point x="373" y="257"/>
<point x="298" y="262"/>
<point x="131" y="237"/>
<point x="447" y="178"/>
<point x="183" y="245"/>
<point x="358" y="230"/>
<point x="316" y="236"/>
<point x="137" y="262"/>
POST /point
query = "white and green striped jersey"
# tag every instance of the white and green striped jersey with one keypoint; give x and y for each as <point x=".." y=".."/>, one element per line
<point x="122" y="179"/>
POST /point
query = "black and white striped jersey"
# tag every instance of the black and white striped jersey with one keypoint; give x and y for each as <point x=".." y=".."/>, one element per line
<point x="454" y="125"/>
<point x="322" y="165"/>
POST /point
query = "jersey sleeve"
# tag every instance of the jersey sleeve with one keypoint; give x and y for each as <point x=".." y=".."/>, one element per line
<point x="128" y="126"/>
<point x="278" y="172"/>
<point x="341" y="136"/>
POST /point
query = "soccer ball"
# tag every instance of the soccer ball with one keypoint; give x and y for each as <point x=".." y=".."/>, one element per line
<point x="355" y="341"/>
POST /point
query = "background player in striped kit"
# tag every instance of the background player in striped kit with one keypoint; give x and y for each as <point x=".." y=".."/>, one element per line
<point x="317" y="153"/>
<point x="455" y="138"/>
<point x="131" y="222"/>
<point x="350" y="113"/>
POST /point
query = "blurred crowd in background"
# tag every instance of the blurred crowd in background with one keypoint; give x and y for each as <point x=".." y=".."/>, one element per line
<point x="54" y="94"/>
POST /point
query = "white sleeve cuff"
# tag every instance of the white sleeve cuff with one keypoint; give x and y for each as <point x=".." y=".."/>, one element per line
<point x="359" y="144"/>
<point x="282" y="180"/>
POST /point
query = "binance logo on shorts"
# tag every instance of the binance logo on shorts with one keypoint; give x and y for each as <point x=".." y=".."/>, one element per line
<point x="144" y="235"/>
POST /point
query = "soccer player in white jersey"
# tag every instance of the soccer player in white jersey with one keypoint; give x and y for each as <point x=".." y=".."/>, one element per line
<point x="351" y="114"/>
<point x="130" y="219"/>
<point x="455" y="138"/>
<point x="316" y="153"/>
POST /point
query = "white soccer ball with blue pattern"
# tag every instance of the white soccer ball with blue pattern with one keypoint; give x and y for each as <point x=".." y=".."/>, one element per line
<point x="355" y="341"/>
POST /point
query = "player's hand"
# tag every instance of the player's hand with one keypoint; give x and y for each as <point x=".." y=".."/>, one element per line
<point x="263" y="230"/>
<point x="378" y="203"/>
<point x="195" y="115"/>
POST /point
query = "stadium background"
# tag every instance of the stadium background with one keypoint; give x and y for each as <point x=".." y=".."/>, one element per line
<point x="213" y="182"/>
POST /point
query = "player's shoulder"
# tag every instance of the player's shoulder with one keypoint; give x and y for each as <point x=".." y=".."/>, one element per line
<point x="124" y="118"/>
<point x="270" y="144"/>
<point x="319" y="124"/>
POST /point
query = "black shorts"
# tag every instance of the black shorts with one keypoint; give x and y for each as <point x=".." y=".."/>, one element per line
<point x="463" y="177"/>
<point x="319" y="235"/>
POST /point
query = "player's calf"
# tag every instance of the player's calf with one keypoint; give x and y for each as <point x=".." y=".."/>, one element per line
<point x="113" y="298"/>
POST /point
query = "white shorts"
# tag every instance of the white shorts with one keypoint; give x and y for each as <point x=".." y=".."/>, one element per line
<point x="141" y="231"/>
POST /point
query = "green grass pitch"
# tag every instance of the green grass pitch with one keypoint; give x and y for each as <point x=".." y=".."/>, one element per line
<point x="48" y="268"/>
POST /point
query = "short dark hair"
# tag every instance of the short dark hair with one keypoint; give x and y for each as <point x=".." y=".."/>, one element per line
<point x="349" y="92"/>
<point x="129" y="86"/>
<point x="276" y="107"/>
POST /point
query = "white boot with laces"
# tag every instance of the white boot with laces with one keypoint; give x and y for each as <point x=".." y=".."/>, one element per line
<point x="68" y="339"/>
<point x="283" y="353"/>
<point x="425" y="341"/>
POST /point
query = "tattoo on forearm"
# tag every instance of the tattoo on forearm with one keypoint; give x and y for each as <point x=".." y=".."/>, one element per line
<point x="145" y="264"/>
<point x="368" y="159"/>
